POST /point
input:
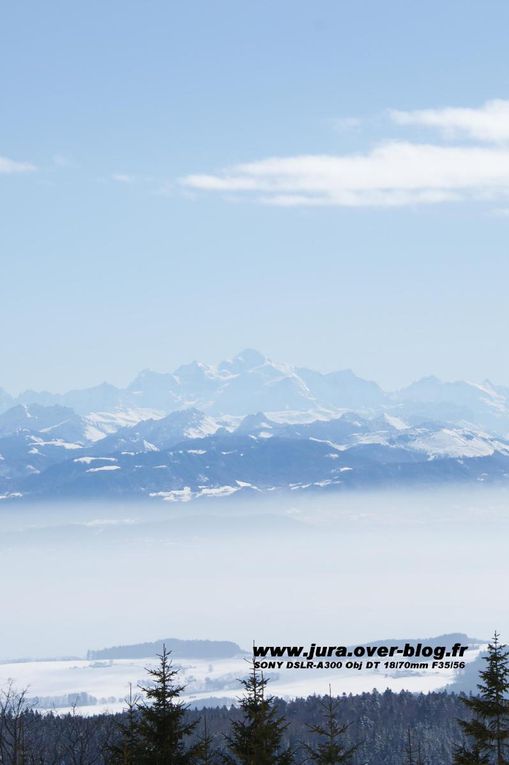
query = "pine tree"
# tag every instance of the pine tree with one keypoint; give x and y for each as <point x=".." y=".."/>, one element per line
<point x="162" y="726"/>
<point x="488" y="730"/>
<point x="126" y="751"/>
<point x="257" y="739"/>
<point x="470" y="756"/>
<point x="207" y="754"/>
<point x="331" y="750"/>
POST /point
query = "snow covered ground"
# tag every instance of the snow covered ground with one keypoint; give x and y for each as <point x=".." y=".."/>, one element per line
<point x="208" y="681"/>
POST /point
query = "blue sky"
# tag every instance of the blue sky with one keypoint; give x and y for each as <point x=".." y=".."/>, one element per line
<point x="327" y="182"/>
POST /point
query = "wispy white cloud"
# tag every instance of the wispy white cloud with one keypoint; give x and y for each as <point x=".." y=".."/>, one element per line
<point x="10" y="166"/>
<point x="346" y="123"/>
<point x="391" y="175"/>
<point x="165" y="189"/>
<point x="61" y="160"/>
<point x="122" y="178"/>
<point x="489" y="122"/>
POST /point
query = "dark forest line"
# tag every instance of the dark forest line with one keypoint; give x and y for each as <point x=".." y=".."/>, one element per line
<point x="378" y="722"/>
<point x="158" y="728"/>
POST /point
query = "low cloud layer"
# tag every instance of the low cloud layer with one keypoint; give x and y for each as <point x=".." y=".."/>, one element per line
<point x="392" y="174"/>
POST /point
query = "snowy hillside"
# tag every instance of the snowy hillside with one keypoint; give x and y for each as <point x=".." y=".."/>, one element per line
<point x="96" y="685"/>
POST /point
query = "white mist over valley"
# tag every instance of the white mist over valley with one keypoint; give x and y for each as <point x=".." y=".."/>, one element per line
<point x="360" y="566"/>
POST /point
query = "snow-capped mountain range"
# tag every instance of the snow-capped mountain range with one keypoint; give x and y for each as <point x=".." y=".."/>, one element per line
<point x="249" y="425"/>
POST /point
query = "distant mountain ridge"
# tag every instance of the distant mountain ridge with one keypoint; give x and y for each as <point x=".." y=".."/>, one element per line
<point x="189" y="455"/>
<point x="251" y="426"/>
<point x="252" y="382"/>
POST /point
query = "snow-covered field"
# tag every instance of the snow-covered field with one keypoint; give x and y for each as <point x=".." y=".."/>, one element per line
<point x="106" y="683"/>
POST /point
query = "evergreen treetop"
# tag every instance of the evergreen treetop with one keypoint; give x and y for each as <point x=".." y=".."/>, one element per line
<point x="331" y="749"/>
<point x="488" y="729"/>
<point x="257" y="739"/>
<point x="163" y="726"/>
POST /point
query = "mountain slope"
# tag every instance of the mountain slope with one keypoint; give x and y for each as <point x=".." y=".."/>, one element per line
<point x="225" y="463"/>
<point x="152" y="435"/>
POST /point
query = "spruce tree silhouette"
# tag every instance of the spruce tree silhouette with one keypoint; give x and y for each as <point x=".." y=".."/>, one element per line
<point x="207" y="754"/>
<point x="126" y="749"/>
<point x="488" y="729"/>
<point x="331" y="749"/>
<point x="163" y="728"/>
<point x="257" y="739"/>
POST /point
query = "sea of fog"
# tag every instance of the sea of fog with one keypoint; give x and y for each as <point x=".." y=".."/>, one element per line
<point x="331" y="569"/>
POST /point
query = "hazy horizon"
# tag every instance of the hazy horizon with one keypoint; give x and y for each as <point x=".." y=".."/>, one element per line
<point x="361" y="567"/>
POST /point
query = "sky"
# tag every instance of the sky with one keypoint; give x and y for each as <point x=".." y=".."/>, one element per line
<point x="327" y="182"/>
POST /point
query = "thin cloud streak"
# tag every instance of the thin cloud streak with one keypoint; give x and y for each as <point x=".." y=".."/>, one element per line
<point x="122" y="178"/>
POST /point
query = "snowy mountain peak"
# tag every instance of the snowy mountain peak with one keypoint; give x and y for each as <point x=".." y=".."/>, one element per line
<point x="255" y="423"/>
<point x="195" y="372"/>
<point x="34" y="417"/>
<point x="250" y="358"/>
<point x="251" y="382"/>
<point x="244" y="361"/>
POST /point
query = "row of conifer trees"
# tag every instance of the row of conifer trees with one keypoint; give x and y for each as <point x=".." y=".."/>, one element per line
<point x="155" y="730"/>
<point x="158" y="729"/>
